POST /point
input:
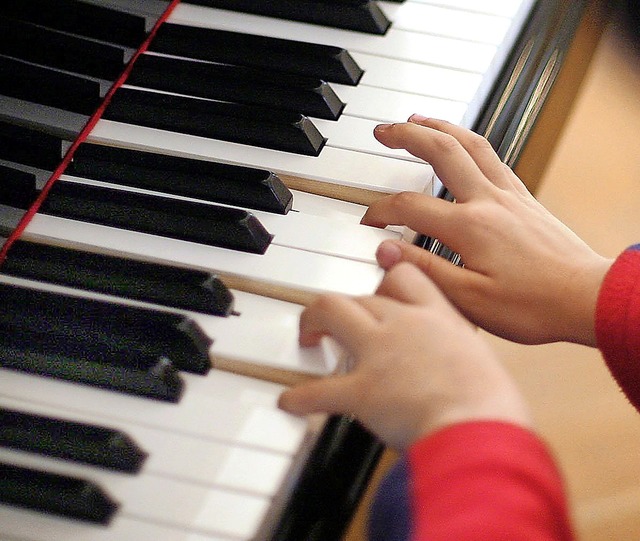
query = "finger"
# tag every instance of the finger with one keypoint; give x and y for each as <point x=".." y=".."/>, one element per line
<point x="423" y="213"/>
<point x="341" y="317"/>
<point x="392" y="252"/>
<point x="498" y="172"/>
<point x="407" y="283"/>
<point x="477" y="146"/>
<point x="331" y="395"/>
<point x="457" y="283"/>
<point x="450" y="160"/>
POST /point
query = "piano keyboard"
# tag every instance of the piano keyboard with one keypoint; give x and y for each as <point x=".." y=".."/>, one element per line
<point x="272" y="137"/>
<point x="217" y="462"/>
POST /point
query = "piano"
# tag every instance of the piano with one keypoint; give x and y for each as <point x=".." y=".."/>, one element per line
<point x="177" y="180"/>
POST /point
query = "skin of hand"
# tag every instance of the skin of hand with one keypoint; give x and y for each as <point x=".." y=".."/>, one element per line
<point x="526" y="276"/>
<point x="417" y="364"/>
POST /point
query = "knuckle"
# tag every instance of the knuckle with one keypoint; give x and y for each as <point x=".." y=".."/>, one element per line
<point x="477" y="214"/>
<point x="403" y="200"/>
<point x="446" y="143"/>
<point x="478" y="143"/>
<point x="324" y="303"/>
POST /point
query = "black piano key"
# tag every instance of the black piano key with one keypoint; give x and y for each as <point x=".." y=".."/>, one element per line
<point x="17" y="188"/>
<point x="237" y="84"/>
<point x="54" y="49"/>
<point x="203" y="223"/>
<point x="359" y="15"/>
<point x="233" y="122"/>
<point x="29" y="146"/>
<point x="46" y="86"/>
<point x="9" y="219"/>
<point x="210" y="181"/>
<point x="55" y="494"/>
<point x="159" y="381"/>
<point x="161" y="284"/>
<point x="325" y="62"/>
<point x="81" y="18"/>
<point x="100" y="331"/>
<point x="80" y="442"/>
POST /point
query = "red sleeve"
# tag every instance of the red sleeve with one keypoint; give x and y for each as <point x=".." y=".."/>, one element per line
<point x="618" y="322"/>
<point x="481" y="481"/>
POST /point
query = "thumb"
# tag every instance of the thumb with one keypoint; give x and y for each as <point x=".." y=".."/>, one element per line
<point x="330" y="395"/>
<point x="440" y="270"/>
<point x="457" y="283"/>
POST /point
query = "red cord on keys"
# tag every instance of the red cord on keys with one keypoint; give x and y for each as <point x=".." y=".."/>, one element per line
<point x="24" y="222"/>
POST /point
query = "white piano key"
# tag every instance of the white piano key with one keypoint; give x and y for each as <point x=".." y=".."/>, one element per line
<point x="353" y="133"/>
<point x="185" y="458"/>
<point x="273" y="328"/>
<point x="384" y="105"/>
<point x="323" y="236"/>
<point x="447" y="21"/>
<point x="147" y="497"/>
<point x="503" y="8"/>
<point x="24" y="525"/>
<point x="301" y="231"/>
<point x="297" y="270"/>
<point x="220" y="407"/>
<point x="334" y="166"/>
<point x="335" y="209"/>
<point x="319" y="205"/>
<point x="415" y="78"/>
<point x="397" y="43"/>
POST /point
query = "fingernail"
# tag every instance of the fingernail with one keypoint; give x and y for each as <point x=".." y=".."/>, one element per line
<point x="382" y="127"/>
<point x="416" y="118"/>
<point x="388" y="254"/>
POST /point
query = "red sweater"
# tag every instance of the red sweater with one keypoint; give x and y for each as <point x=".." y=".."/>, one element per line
<point x="495" y="481"/>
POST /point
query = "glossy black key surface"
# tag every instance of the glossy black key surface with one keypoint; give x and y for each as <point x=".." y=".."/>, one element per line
<point x="46" y="86"/>
<point x="360" y="15"/>
<point x="81" y="18"/>
<point x="56" y="494"/>
<point x="203" y="223"/>
<point x="332" y="64"/>
<point x="54" y="49"/>
<point x="29" y="146"/>
<point x="210" y="181"/>
<point x="17" y="188"/>
<point x="238" y="84"/>
<point x="233" y="122"/>
<point x="170" y="286"/>
<point x="80" y="442"/>
<point x="100" y="331"/>
<point x="159" y="381"/>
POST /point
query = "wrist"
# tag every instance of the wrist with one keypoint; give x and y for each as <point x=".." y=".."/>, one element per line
<point x="498" y="399"/>
<point x="581" y="303"/>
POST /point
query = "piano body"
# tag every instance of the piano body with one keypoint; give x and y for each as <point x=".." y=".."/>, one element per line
<point x="177" y="181"/>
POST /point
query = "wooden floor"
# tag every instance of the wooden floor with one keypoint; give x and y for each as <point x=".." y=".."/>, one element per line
<point x="592" y="183"/>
